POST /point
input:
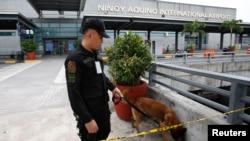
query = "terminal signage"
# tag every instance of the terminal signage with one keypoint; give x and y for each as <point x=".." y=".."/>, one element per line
<point x="109" y="9"/>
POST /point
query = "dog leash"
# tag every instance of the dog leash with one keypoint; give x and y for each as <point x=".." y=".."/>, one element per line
<point x="116" y="96"/>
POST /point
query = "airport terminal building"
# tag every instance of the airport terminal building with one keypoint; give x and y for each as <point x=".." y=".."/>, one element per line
<point x="55" y="24"/>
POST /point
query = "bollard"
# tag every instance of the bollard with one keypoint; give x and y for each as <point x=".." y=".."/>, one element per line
<point x="248" y="50"/>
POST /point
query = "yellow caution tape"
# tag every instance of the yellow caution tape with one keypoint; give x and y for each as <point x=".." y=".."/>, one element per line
<point x="155" y="130"/>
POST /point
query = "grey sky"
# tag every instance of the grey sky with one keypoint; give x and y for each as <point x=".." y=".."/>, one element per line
<point x="242" y="6"/>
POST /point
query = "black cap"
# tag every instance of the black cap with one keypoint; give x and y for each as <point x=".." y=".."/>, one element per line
<point x="96" y="24"/>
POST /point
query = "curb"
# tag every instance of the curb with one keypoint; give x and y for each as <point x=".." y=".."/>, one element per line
<point x="14" y="61"/>
<point x="30" y="61"/>
<point x="9" y="62"/>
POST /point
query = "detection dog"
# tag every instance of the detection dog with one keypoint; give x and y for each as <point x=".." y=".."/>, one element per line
<point x="159" y="112"/>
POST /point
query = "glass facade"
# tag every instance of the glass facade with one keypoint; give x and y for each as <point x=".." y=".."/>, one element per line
<point x="56" y="36"/>
<point x="7" y="33"/>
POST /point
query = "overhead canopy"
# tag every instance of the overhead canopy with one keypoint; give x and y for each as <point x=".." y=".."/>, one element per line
<point x="146" y="24"/>
<point x="58" y="5"/>
<point x="9" y="20"/>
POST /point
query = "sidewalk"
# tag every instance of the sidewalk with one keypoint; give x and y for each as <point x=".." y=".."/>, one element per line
<point x="34" y="105"/>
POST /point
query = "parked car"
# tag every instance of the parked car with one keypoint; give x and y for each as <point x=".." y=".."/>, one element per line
<point x="180" y="53"/>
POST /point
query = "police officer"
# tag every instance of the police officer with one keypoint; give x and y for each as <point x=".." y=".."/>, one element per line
<point x="87" y="84"/>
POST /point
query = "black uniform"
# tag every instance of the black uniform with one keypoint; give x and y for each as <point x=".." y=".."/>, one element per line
<point x="88" y="92"/>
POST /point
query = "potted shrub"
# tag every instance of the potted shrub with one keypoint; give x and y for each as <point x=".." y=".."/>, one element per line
<point x="231" y="48"/>
<point x="29" y="46"/>
<point x="128" y="59"/>
<point x="77" y="42"/>
<point x="190" y="48"/>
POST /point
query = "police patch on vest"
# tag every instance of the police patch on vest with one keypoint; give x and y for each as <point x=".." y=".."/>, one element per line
<point x="71" y="70"/>
<point x="71" y="67"/>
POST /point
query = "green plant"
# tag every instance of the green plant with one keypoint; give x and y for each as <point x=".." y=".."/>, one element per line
<point x="193" y="28"/>
<point x="232" y="27"/>
<point x="190" y="47"/>
<point x="77" y="42"/>
<point x="29" y="45"/>
<point x="128" y="59"/>
<point x="231" y="47"/>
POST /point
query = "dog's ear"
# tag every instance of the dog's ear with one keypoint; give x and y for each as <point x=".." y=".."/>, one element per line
<point x="184" y="130"/>
<point x="179" y="136"/>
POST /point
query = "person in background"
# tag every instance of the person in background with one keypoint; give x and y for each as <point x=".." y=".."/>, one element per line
<point x="88" y="86"/>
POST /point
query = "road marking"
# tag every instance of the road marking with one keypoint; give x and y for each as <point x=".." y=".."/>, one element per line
<point x="60" y="78"/>
<point x="9" y="71"/>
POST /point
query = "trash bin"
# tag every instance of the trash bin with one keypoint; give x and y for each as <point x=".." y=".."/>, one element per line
<point x="20" y="57"/>
<point x="225" y="50"/>
<point x="12" y="55"/>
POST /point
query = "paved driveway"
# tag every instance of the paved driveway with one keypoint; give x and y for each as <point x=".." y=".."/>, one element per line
<point x="34" y="105"/>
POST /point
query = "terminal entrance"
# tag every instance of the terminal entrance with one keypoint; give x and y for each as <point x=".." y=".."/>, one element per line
<point x="58" y="46"/>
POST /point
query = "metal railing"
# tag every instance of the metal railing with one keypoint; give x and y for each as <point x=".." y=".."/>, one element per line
<point x="237" y="94"/>
<point x="201" y="57"/>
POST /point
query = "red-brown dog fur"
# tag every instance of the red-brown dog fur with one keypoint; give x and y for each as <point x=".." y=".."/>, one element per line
<point x="159" y="112"/>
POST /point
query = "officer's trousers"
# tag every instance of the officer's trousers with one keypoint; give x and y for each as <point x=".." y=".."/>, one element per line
<point x="103" y="121"/>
